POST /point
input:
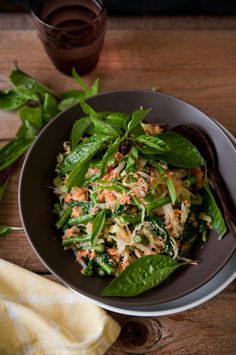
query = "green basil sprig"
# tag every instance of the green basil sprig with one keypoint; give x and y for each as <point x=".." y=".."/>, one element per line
<point x="182" y="152"/>
<point x="211" y="209"/>
<point x="143" y="274"/>
<point x="37" y="105"/>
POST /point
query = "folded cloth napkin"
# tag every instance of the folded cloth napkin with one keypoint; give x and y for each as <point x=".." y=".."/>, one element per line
<point x="39" y="316"/>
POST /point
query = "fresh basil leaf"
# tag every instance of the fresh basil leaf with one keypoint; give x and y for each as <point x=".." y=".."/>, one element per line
<point x="210" y="207"/>
<point x="26" y="93"/>
<point x="147" y="151"/>
<point x="99" y="125"/>
<point x="78" y="130"/>
<point x="132" y="157"/>
<point x="137" y="131"/>
<point x="3" y="189"/>
<point x="171" y="189"/>
<point x="88" y="110"/>
<point x="98" y="225"/>
<point x="50" y="107"/>
<point x="27" y="131"/>
<point x="79" y="80"/>
<point x="64" y="104"/>
<point x="118" y="119"/>
<point x="154" y="142"/>
<point x="113" y="148"/>
<point x="19" y="78"/>
<point x="103" y="127"/>
<point x="10" y="100"/>
<point x="87" y="90"/>
<point x="77" y="175"/>
<point x="182" y="152"/>
<point x="86" y="150"/>
<point x="32" y="115"/>
<point x="143" y="274"/>
<point x="5" y="230"/>
<point x="136" y="118"/>
<point x="10" y="152"/>
<point x="73" y="93"/>
<point x="94" y="88"/>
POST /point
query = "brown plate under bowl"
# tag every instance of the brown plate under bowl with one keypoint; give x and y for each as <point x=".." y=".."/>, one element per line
<point x="36" y="198"/>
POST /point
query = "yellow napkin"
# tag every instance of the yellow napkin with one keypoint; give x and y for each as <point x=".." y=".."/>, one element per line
<point x="39" y="316"/>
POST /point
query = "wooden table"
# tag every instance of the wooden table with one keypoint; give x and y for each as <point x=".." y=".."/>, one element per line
<point x="196" y="65"/>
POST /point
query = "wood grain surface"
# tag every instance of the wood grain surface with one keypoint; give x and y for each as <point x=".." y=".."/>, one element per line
<point x="197" y="66"/>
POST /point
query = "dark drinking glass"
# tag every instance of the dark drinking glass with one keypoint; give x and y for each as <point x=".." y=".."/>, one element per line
<point x="71" y="31"/>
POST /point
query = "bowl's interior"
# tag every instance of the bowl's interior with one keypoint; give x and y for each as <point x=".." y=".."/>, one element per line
<point x="36" y="198"/>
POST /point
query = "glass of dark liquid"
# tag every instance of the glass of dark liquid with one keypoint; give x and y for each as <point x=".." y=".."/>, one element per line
<point x="71" y="31"/>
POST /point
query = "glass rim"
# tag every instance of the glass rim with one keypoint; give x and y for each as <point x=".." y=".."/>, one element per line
<point x="69" y="28"/>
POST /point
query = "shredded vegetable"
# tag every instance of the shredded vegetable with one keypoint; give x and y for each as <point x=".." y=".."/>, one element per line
<point x="130" y="201"/>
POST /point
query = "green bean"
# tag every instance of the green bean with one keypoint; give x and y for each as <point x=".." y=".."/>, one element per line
<point x="190" y="181"/>
<point x="100" y="272"/>
<point x="104" y="266"/>
<point x="69" y="241"/>
<point x="161" y="202"/>
<point x="93" y="197"/>
<point x="138" y="203"/>
<point x="99" y="248"/>
<point x="91" y="179"/>
<point x="159" y="180"/>
<point x="65" y="216"/>
<point x="57" y="208"/>
<point x="80" y="220"/>
<point x="197" y="200"/>
<point x="88" y="270"/>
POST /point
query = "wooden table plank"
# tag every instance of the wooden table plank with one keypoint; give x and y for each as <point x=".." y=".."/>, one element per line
<point x="198" y="66"/>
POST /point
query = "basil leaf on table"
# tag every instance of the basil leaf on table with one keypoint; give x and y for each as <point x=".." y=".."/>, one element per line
<point x="143" y="274"/>
<point x="32" y="115"/>
<point x="5" y="230"/>
<point x="182" y="152"/>
<point x="98" y="225"/>
<point x="26" y="93"/>
<point x="13" y="150"/>
<point x="85" y="150"/>
<point x="210" y="207"/>
<point x="78" y="130"/>
<point x="66" y="103"/>
<point x="113" y="148"/>
<point x="3" y="189"/>
<point x="10" y="100"/>
<point x="136" y="118"/>
<point x="88" y="91"/>
<point x="20" y="78"/>
<point x="73" y="93"/>
<point x="50" y="107"/>
<point x="153" y="142"/>
<point x="26" y="130"/>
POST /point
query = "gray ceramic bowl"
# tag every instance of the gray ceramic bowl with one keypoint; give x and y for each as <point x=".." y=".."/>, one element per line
<point x="36" y="199"/>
